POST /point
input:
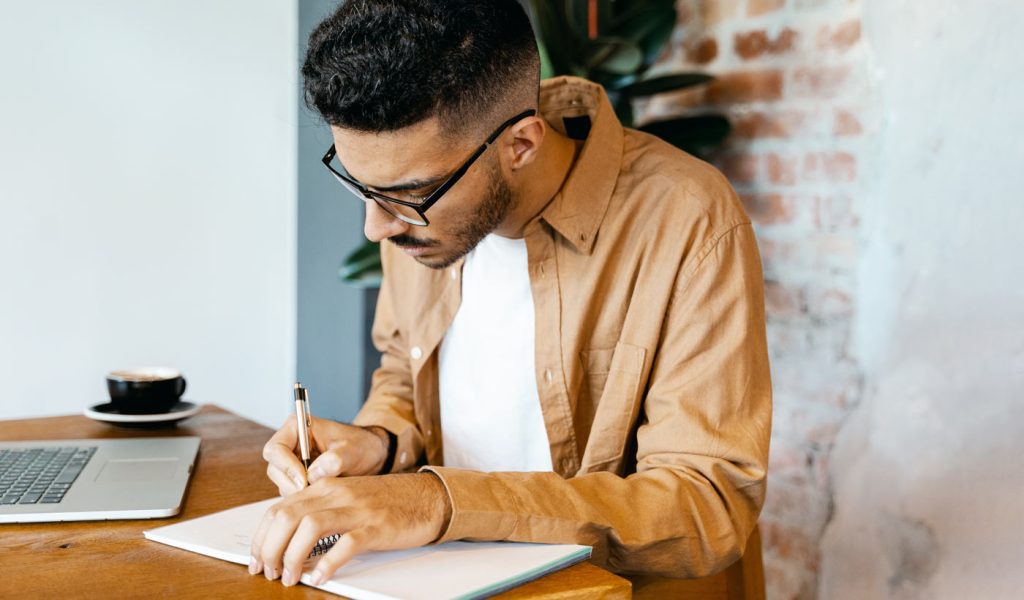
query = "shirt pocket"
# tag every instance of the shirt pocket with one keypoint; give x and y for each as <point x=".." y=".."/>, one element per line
<point x="613" y="379"/>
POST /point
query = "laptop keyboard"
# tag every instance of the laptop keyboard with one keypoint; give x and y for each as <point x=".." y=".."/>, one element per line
<point x="40" y="475"/>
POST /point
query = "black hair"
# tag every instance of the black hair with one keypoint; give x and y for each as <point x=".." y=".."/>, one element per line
<point x="381" y="65"/>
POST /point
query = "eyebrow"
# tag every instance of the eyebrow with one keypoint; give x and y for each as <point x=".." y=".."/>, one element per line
<point x="407" y="186"/>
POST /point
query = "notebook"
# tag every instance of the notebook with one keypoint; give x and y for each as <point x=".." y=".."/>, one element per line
<point x="449" y="570"/>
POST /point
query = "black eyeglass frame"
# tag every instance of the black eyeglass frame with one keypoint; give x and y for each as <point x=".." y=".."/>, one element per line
<point x="422" y="206"/>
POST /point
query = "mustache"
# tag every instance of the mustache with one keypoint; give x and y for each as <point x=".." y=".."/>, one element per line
<point x="408" y="241"/>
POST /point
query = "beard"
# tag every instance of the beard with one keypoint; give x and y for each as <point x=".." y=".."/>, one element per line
<point x="467" y="233"/>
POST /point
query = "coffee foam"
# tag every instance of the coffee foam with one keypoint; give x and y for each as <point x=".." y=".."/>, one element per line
<point x="144" y="374"/>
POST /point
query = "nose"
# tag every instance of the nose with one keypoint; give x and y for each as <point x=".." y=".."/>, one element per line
<point x="380" y="224"/>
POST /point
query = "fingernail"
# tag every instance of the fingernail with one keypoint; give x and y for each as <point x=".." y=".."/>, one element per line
<point x="300" y="483"/>
<point x="254" y="566"/>
<point x="269" y="572"/>
<point x="287" y="578"/>
<point x="315" y="473"/>
<point x="317" y="578"/>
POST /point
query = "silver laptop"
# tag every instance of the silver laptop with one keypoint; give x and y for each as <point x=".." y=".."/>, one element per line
<point x="91" y="480"/>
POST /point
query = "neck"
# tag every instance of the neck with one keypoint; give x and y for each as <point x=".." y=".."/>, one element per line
<point x="539" y="181"/>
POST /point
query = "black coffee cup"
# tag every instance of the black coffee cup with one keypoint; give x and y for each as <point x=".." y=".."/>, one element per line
<point x="145" y="391"/>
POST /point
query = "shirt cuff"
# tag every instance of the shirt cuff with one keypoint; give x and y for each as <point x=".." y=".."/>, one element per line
<point x="483" y="508"/>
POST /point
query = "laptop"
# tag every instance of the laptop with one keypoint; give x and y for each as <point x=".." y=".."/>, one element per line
<point x="93" y="480"/>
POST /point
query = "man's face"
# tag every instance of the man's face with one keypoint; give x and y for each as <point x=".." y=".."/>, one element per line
<point x="419" y="155"/>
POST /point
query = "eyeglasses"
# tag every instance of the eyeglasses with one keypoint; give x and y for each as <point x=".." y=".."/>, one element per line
<point x="412" y="208"/>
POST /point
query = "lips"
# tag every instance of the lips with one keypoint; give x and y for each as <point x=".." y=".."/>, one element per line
<point x="416" y="250"/>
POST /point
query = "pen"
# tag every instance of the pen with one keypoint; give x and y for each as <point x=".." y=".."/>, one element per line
<point x="303" y="422"/>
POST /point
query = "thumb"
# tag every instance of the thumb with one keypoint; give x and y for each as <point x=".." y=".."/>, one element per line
<point x="329" y="464"/>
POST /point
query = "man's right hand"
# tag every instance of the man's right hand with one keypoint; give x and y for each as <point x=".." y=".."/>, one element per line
<point x="336" y="450"/>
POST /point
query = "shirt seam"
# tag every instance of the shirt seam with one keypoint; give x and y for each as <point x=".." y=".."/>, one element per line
<point x="706" y="251"/>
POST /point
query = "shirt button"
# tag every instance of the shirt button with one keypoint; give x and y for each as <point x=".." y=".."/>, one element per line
<point x="455" y="274"/>
<point x="547" y="375"/>
<point x="430" y="432"/>
<point x="401" y="458"/>
<point x="416" y="353"/>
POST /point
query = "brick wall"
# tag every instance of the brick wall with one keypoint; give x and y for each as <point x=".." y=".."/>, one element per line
<point x="792" y="76"/>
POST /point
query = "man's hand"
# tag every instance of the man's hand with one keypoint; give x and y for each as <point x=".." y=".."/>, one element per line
<point x="372" y="513"/>
<point x="336" y="449"/>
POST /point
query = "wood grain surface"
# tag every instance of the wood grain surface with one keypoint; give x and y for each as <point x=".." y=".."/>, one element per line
<point x="111" y="559"/>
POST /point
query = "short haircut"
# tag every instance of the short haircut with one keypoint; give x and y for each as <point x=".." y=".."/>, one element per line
<point x="382" y="65"/>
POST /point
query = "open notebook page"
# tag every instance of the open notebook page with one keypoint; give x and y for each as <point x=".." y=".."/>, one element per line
<point x="450" y="570"/>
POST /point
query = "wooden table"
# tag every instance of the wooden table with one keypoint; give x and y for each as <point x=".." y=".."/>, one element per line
<point x="111" y="559"/>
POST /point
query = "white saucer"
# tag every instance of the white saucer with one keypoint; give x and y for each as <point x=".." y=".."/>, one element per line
<point x="106" y="413"/>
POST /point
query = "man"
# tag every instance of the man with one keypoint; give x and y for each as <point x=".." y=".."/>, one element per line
<point x="571" y="317"/>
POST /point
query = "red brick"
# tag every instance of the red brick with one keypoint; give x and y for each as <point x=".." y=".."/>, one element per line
<point x="684" y="14"/>
<point x="789" y="541"/>
<point x="760" y="7"/>
<point x="781" y="170"/>
<point x="820" y="82"/>
<point x="703" y="52"/>
<point x="768" y="209"/>
<point x="753" y="44"/>
<point x="717" y="11"/>
<point x="841" y="38"/>
<point x="846" y="123"/>
<point x="739" y="168"/>
<point x="837" y="167"/>
<point x="777" y="124"/>
<point x="746" y="86"/>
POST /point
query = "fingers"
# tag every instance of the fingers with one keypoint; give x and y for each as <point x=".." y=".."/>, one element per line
<point x="286" y="486"/>
<point x="311" y="529"/>
<point x="274" y="531"/>
<point x="279" y="452"/>
<point x="351" y="451"/>
<point x="331" y="463"/>
<point x="350" y="544"/>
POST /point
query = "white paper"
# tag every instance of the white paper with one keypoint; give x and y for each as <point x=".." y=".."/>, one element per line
<point x="450" y="570"/>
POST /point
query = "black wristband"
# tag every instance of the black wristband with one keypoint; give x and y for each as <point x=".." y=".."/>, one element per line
<point x="392" y="448"/>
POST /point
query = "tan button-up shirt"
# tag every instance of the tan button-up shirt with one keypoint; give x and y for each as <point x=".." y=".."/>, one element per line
<point x="651" y="361"/>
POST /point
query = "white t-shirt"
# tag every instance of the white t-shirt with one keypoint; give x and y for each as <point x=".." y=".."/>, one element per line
<point x="490" y="411"/>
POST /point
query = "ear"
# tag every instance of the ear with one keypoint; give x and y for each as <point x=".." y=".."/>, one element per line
<point x="526" y="137"/>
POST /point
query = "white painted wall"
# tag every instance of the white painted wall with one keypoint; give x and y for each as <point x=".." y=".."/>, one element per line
<point x="147" y="200"/>
<point x="927" y="473"/>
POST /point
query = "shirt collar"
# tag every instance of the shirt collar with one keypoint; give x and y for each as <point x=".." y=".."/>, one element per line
<point x="573" y="106"/>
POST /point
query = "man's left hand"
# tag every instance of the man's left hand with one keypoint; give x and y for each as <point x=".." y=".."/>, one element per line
<point x="388" y="512"/>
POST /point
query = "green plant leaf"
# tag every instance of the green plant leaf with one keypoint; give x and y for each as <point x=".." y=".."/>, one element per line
<point x="694" y="134"/>
<point x="613" y="55"/>
<point x="666" y="83"/>
<point x="362" y="266"/>
<point x="649" y="25"/>
<point x="554" y="33"/>
<point x="547" y="70"/>
<point x="614" y="83"/>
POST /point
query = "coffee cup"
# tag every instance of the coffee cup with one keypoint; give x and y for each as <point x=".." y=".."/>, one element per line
<point x="146" y="390"/>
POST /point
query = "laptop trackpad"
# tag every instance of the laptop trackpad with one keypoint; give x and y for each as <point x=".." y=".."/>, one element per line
<point x="141" y="469"/>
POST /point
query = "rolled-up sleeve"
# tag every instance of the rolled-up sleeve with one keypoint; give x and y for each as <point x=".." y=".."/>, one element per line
<point x="390" y="402"/>
<point x="702" y="441"/>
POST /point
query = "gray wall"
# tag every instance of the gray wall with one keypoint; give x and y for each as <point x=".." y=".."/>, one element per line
<point x="147" y="201"/>
<point x="331" y="324"/>
<point x="927" y="472"/>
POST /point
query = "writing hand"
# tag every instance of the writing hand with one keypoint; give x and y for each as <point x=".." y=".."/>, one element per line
<point x="371" y="513"/>
<point x="337" y="449"/>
